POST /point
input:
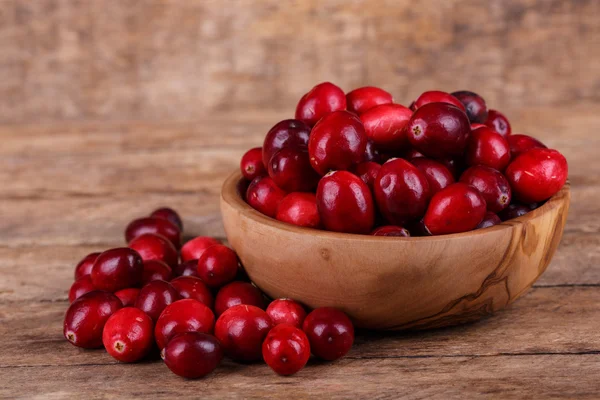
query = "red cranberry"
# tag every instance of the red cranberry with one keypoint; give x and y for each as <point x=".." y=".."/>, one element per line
<point x="457" y="208"/>
<point x="474" y="105"/>
<point x="128" y="296"/>
<point x="498" y="122"/>
<point x="286" y="311"/>
<point x="522" y="143"/>
<point x="439" y="130"/>
<point x="337" y="142"/>
<point x="192" y="355"/>
<point x="155" y="297"/>
<point x="186" y="268"/>
<point x="418" y="229"/>
<point x="128" y="334"/>
<point x="367" y="171"/>
<point x="514" y="211"/>
<point x="252" y="165"/>
<point x="489" y="148"/>
<point x="323" y="99"/>
<point x="264" y="196"/>
<point x="371" y="152"/>
<point x="170" y="215"/>
<point x="364" y="98"/>
<point x="490" y="219"/>
<point x="80" y="287"/>
<point x="217" y="266"/>
<point x="153" y="225"/>
<point x="345" y="203"/>
<point x="241" y="330"/>
<point x="191" y="287"/>
<point x="437" y="174"/>
<point x="235" y="293"/>
<point x="86" y="317"/>
<point x="299" y="209"/>
<point x="155" y="247"/>
<point x="290" y="169"/>
<point x="193" y="249"/>
<point x="330" y="333"/>
<point x="411" y="154"/>
<point x="386" y="125"/>
<point x="437" y="96"/>
<point x="84" y="267"/>
<point x="401" y="191"/>
<point x="391" y="230"/>
<point x="492" y="185"/>
<point x="156" y="270"/>
<point x="187" y="315"/>
<point x="286" y="349"/>
<point x="117" y="269"/>
<point x="287" y="133"/>
<point x="455" y="166"/>
<point x="477" y="126"/>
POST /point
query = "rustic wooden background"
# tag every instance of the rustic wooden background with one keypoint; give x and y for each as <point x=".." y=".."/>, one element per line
<point x="109" y="108"/>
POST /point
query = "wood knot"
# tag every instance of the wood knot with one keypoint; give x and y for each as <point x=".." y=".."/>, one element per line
<point x="325" y="254"/>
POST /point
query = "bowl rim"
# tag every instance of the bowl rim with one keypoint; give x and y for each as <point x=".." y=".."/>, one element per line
<point x="231" y="195"/>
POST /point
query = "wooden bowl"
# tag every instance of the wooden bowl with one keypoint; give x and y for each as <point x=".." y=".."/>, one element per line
<point x="390" y="282"/>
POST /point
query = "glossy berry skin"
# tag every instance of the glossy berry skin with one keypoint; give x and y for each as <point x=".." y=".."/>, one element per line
<point x="364" y="98"/>
<point x="367" y="171"/>
<point x="286" y="349"/>
<point x="170" y="215"/>
<point x="158" y="226"/>
<point x="155" y="247"/>
<point x="252" y="165"/>
<point x="437" y="96"/>
<point x="128" y="335"/>
<point x="186" y="268"/>
<point x="290" y="169"/>
<point x="476" y="126"/>
<point x="391" y="230"/>
<point x="187" y="315"/>
<point x="322" y="100"/>
<point x="117" y="269"/>
<point x="191" y="287"/>
<point x="371" y="152"/>
<point x="386" y="125"/>
<point x="217" y="266"/>
<point x="85" y="318"/>
<point x="194" y="248"/>
<point x="439" y="130"/>
<point x="287" y="133"/>
<point x="337" y="142"/>
<point x="299" y="209"/>
<point x="156" y="270"/>
<point x="235" y="293"/>
<point x="521" y="143"/>
<point x="490" y="219"/>
<point x="537" y="175"/>
<point x="241" y="330"/>
<point x="155" y="297"/>
<point x="498" y="122"/>
<point x="330" y="333"/>
<point x="455" y="166"/>
<point x="457" y="208"/>
<point x="128" y="296"/>
<point x="264" y="196"/>
<point x="437" y="174"/>
<point x="345" y="203"/>
<point x="192" y="355"/>
<point x="474" y="104"/>
<point x="286" y="311"/>
<point x="492" y="185"/>
<point x="417" y="229"/>
<point x="487" y="147"/>
<point x="402" y="191"/>
<point x="514" y="211"/>
<point x="80" y="287"/>
<point x="84" y="267"/>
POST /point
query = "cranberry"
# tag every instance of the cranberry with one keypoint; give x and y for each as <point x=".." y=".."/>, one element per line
<point x="455" y="166"/>
<point x="80" y="287"/>
<point x="514" y="211"/>
<point x="252" y="165"/>
<point x="117" y="269"/>
<point x="522" y="143"/>
<point x="170" y="215"/>
<point x="187" y="315"/>
<point x="337" y="142"/>
<point x="86" y="317"/>
<point x="264" y="196"/>
<point x="411" y="154"/>
<point x="287" y="133"/>
<point x="490" y="219"/>
<point x="84" y="267"/>
<point x="217" y="266"/>
<point x="155" y="247"/>
<point x="487" y="147"/>
<point x="128" y="296"/>
<point x="186" y="268"/>
<point x="492" y="185"/>
<point x="192" y="355"/>
<point x="391" y="230"/>
<point x="155" y="297"/>
<point x="537" y="175"/>
<point x="418" y="229"/>
<point x="364" y="98"/>
<point x="191" y="287"/>
<point x="439" y="130"/>
<point x="299" y="209"/>
<point x="156" y="270"/>
<point x="371" y="152"/>
<point x="330" y="333"/>
<point x="128" y="334"/>
<point x="322" y="99"/>
<point x="386" y="125"/>
<point x="286" y="349"/>
<point x="457" y="208"/>
<point x="437" y="174"/>
<point x="401" y="191"/>
<point x="154" y="225"/>
<point x="477" y="126"/>
<point x="474" y="105"/>
<point x="367" y="171"/>
<point x="345" y="203"/>
<point x="290" y="169"/>
<point x="498" y="122"/>
<point x="241" y="330"/>
<point x="235" y="293"/>
<point x="437" y="96"/>
<point x="193" y="249"/>
<point x="286" y="311"/>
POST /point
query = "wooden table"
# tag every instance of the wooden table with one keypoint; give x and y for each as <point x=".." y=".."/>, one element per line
<point x="70" y="189"/>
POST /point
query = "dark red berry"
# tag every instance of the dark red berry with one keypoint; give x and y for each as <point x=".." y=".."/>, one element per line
<point x="84" y="267"/>
<point x="155" y="247"/>
<point x="186" y="268"/>
<point x="492" y="185"/>
<point x="155" y="297"/>
<point x="236" y="293"/>
<point x="371" y="152"/>
<point x="252" y="165"/>
<point x="498" y="122"/>
<point x="522" y="143"/>
<point x="437" y="96"/>
<point x="514" y="211"/>
<point x="490" y="219"/>
<point x="117" y="269"/>
<point x="264" y="196"/>
<point x="299" y="209"/>
<point x="437" y="174"/>
<point x="367" y="171"/>
<point x="191" y="287"/>
<point x="170" y="215"/>
<point x="192" y="355"/>
<point x="330" y="333"/>
<point x="183" y="316"/>
<point x="128" y="335"/>
<point x="286" y="349"/>
<point x="475" y="106"/>
<point x="128" y="296"/>
<point x="391" y="230"/>
<point x="290" y="169"/>
<point x="156" y="270"/>
<point x="80" y="287"/>
<point x="286" y="311"/>
<point x="322" y="99"/>
<point x="217" y="266"/>
<point x="417" y="229"/>
<point x="158" y="226"/>
<point x="487" y="147"/>
<point x="194" y="248"/>
<point x="364" y="98"/>
<point x="386" y="125"/>
<point x="287" y="133"/>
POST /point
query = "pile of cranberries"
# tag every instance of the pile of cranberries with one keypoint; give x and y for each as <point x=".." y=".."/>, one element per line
<point x="359" y="163"/>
